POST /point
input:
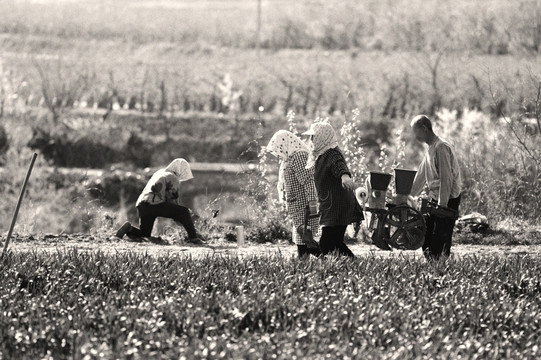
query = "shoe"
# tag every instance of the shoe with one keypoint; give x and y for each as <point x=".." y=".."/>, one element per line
<point x="196" y="241"/>
<point x="308" y="239"/>
<point x="304" y="251"/>
<point x="124" y="229"/>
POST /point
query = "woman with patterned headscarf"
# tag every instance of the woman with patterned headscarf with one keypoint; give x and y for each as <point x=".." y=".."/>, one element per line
<point x="337" y="204"/>
<point x="295" y="186"/>
<point x="160" y="198"/>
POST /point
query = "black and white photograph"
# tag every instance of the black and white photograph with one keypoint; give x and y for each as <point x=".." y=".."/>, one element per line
<point x="270" y="179"/>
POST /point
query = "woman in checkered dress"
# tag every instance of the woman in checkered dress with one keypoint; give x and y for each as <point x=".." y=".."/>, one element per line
<point x="295" y="186"/>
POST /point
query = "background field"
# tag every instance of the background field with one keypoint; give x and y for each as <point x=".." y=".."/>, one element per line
<point x="131" y="84"/>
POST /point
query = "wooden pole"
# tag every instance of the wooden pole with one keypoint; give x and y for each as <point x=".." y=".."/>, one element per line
<point x="23" y="188"/>
<point x="258" y="40"/>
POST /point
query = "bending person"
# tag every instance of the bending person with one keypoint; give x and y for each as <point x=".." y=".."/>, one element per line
<point x="160" y="198"/>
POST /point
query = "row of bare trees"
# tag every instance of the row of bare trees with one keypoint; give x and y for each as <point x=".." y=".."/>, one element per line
<point x="322" y="91"/>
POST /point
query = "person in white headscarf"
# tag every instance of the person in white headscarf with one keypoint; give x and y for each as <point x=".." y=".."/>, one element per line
<point x="337" y="204"/>
<point x="161" y="198"/>
<point x="296" y="187"/>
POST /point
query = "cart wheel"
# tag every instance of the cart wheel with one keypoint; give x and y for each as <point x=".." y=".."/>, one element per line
<point x="406" y="228"/>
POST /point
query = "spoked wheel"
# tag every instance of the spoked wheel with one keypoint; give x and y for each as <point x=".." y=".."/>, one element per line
<point x="404" y="227"/>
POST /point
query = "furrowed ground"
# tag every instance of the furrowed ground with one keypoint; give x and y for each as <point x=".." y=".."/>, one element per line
<point x="131" y="304"/>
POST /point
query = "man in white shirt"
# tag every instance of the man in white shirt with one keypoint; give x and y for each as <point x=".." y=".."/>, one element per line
<point x="440" y="173"/>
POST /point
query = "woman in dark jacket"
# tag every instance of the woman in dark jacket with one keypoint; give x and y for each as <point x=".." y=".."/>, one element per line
<point x="337" y="203"/>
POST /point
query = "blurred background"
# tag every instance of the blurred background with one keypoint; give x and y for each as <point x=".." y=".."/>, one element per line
<point x="108" y="91"/>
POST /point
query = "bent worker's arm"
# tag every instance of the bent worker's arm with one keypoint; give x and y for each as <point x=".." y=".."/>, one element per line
<point x="443" y="156"/>
<point x="340" y="169"/>
<point x="420" y="179"/>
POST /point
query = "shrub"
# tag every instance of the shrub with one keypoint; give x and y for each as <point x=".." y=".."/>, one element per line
<point x="66" y="149"/>
<point x="500" y="177"/>
<point x="268" y="231"/>
<point x="48" y="206"/>
<point x="4" y="142"/>
<point x="116" y="186"/>
<point x="137" y="151"/>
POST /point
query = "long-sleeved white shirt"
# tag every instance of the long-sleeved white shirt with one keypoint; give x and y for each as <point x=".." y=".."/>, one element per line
<point x="440" y="172"/>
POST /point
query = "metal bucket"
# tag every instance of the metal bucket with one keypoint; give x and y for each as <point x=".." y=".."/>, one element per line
<point x="404" y="180"/>
<point x="380" y="180"/>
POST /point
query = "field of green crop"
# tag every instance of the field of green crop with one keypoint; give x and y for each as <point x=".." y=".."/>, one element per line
<point x="81" y="305"/>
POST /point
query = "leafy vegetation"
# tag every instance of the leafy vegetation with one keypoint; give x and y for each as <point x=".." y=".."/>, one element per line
<point x="93" y="305"/>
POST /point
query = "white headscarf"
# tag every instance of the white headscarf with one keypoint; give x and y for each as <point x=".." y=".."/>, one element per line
<point x="324" y="138"/>
<point x="284" y="144"/>
<point x="181" y="169"/>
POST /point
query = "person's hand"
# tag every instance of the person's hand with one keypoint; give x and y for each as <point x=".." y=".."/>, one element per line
<point x="347" y="182"/>
<point x="413" y="202"/>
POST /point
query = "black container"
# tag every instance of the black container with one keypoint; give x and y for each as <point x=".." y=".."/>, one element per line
<point x="404" y="180"/>
<point x="380" y="180"/>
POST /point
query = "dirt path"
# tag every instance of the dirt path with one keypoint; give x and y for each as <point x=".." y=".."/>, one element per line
<point x="51" y="243"/>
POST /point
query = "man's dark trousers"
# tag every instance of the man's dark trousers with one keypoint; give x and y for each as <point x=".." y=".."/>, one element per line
<point x="439" y="233"/>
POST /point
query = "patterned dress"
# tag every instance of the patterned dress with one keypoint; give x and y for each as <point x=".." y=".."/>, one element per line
<point x="299" y="190"/>
<point x="295" y="182"/>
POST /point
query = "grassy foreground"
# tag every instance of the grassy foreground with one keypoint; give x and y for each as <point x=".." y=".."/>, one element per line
<point x="93" y="305"/>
